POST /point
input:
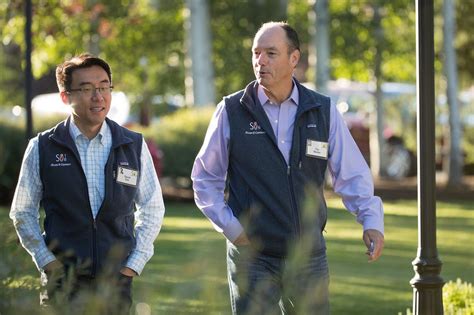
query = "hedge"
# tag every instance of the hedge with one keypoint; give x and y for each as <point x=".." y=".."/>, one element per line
<point x="180" y="136"/>
<point x="12" y="146"/>
<point x="458" y="299"/>
<point x="13" y="143"/>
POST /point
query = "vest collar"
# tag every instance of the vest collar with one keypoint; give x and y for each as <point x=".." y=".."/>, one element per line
<point x="62" y="136"/>
<point x="307" y="99"/>
<point x="250" y="101"/>
<point x="118" y="136"/>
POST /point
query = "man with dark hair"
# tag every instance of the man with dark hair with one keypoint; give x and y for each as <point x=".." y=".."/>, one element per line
<point x="101" y="196"/>
<point x="272" y="143"/>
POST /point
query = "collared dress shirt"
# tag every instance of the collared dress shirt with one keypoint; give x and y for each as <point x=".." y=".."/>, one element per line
<point x="93" y="154"/>
<point x="351" y="175"/>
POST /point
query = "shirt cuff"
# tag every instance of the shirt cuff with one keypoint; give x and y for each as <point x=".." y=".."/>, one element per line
<point x="136" y="262"/>
<point x="371" y="223"/>
<point x="42" y="259"/>
<point x="233" y="230"/>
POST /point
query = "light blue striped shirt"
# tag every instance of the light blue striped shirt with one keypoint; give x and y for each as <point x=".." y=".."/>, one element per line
<point x="93" y="154"/>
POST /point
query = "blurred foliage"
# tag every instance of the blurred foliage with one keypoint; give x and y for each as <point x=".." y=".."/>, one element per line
<point x="12" y="76"/>
<point x="187" y="274"/>
<point x="468" y="146"/>
<point x="465" y="41"/>
<point x="353" y="40"/>
<point x="298" y="17"/>
<point x="233" y="25"/>
<point x="180" y="136"/>
<point x="143" y="40"/>
<point x="458" y="298"/>
<point x="12" y="146"/>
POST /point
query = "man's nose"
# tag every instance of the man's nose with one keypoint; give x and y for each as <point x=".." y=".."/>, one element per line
<point x="261" y="59"/>
<point x="96" y="94"/>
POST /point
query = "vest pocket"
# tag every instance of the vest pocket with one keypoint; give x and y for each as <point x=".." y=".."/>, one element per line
<point x="124" y="225"/>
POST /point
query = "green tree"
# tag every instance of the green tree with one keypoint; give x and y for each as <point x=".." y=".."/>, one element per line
<point x="451" y="73"/>
<point x="141" y="40"/>
<point x="353" y="44"/>
<point x="11" y="78"/>
<point x="234" y="23"/>
<point x="464" y="42"/>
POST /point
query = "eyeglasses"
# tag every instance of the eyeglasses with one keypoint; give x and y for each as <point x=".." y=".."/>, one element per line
<point x="88" y="90"/>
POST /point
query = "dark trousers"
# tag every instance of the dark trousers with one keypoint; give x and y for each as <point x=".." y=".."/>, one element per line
<point x="73" y="294"/>
<point x="261" y="284"/>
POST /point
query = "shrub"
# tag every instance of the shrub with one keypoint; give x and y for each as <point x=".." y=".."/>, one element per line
<point x="458" y="298"/>
<point x="13" y="143"/>
<point x="180" y="136"/>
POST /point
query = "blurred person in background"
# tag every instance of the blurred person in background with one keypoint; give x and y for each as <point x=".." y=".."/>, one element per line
<point x="100" y="193"/>
<point x="272" y="143"/>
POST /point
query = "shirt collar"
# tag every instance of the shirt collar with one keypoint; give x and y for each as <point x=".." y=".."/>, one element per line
<point x="294" y="96"/>
<point x="103" y="132"/>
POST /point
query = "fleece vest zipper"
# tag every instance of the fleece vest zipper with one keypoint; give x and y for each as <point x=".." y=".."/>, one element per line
<point x="266" y="193"/>
<point x="71" y="232"/>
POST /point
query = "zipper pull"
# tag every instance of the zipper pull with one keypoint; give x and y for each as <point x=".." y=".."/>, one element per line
<point x="288" y="170"/>
<point x="95" y="224"/>
<point x="299" y="165"/>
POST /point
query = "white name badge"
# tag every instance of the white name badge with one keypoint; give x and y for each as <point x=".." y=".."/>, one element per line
<point x="317" y="149"/>
<point x="127" y="176"/>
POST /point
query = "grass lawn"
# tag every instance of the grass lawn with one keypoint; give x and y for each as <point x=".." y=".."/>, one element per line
<point x="187" y="274"/>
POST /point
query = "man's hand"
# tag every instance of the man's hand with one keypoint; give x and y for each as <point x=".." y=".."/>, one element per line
<point x="377" y="240"/>
<point x="241" y="240"/>
<point x="54" y="267"/>
<point x="128" y="272"/>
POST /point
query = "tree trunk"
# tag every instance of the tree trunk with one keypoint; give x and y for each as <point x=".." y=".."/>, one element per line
<point x="319" y="58"/>
<point x="93" y="43"/>
<point x="455" y="155"/>
<point x="377" y="141"/>
<point x="199" y="80"/>
<point x="283" y="11"/>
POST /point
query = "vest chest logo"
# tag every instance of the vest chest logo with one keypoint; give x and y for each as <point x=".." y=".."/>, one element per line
<point x="254" y="129"/>
<point x="60" y="160"/>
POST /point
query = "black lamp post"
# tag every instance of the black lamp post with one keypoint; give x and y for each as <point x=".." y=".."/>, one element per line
<point x="427" y="283"/>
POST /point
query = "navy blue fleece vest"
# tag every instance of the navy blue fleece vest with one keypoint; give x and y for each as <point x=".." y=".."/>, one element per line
<point x="278" y="204"/>
<point x="69" y="228"/>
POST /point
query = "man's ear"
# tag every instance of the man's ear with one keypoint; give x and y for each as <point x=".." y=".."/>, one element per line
<point x="295" y="57"/>
<point x="64" y="97"/>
